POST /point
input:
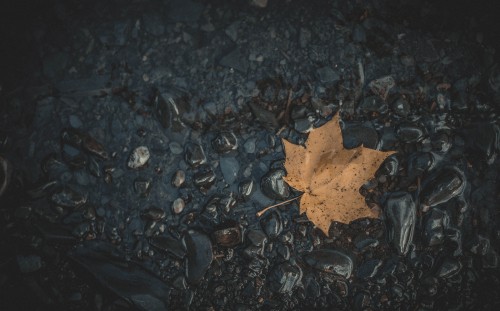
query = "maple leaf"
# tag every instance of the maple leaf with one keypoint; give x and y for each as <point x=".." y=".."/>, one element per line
<point x="330" y="176"/>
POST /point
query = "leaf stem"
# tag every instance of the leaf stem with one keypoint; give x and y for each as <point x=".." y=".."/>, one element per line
<point x="275" y="205"/>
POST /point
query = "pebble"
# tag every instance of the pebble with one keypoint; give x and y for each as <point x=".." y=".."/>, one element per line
<point x="285" y="277"/>
<point x="179" y="178"/>
<point x="139" y="157"/>
<point x="332" y="261"/>
<point x="142" y="187"/>
<point x="382" y="86"/>
<point x="400" y="211"/>
<point x="194" y="155"/>
<point x="29" y="263"/>
<point x="228" y="235"/>
<point x="199" y="255"/>
<point x="230" y="168"/>
<point x="68" y="197"/>
<point x="5" y="174"/>
<point x="327" y="75"/>
<point x="75" y="121"/>
<point x="175" y="148"/>
<point x="249" y="145"/>
<point x="225" y="142"/>
<point x="443" y="186"/>
<point x="178" y="205"/>
<point x="273" y="185"/>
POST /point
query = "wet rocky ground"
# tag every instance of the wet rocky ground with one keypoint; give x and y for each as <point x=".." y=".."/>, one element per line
<point x="138" y="140"/>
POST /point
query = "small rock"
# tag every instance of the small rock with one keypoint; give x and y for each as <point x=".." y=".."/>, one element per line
<point x="230" y="168"/>
<point x="272" y="224"/>
<point x="382" y="86"/>
<point x="75" y="121"/>
<point x="330" y="261"/>
<point x="225" y="142"/>
<point x="204" y="179"/>
<point x="259" y="3"/>
<point x="373" y="104"/>
<point x="273" y="185"/>
<point x="175" y="148"/>
<point x="194" y="154"/>
<point x="228" y="235"/>
<point x="169" y="245"/>
<point x="327" y="75"/>
<point x="199" y="255"/>
<point x="69" y="198"/>
<point x="246" y="188"/>
<point x="249" y="145"/>
<point x="139" y="157"/>
<point x="179" y="178"/>
<point x="29" y="263"/>
<point x="178" y="205"/>
<point x="257" y="237"/>
<point x="449" y="268"/>
<point x="5" y="174"/>
<point x="142" y="186"/>
<point x="153" y="213"/>
<point x="94" y="147"/>
<point x="285" y="277"/>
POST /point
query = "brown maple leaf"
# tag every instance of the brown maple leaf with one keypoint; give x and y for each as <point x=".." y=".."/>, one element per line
<point x="330" y="176"/>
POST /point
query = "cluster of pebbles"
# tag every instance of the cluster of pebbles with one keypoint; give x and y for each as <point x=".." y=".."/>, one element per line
<point x="133" y="164"/>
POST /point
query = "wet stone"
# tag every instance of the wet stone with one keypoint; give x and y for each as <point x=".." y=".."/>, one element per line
<point x="249" y="145"/>
<point x="257" y="237"/>
<point x="435" y="222"/>
<point x="68" y="197"/>
<point x="153" y="213"/>
<point x="199" y="255"/>
<point x="94" y="147"/>
<point x="175" y="148"/>
<point x="178" y="206"/>
<point x="246" y="188"/>
<point x="82" y="230"/>
<point x="273" y="185"/>
<point x="356" y="135"/>
<point x="228" y="235"/>
<point x="72" y="137"/>
<point x="272" y="224"/>
<point x="372" y="104"/>
<point x="194" y="155"/>
<point x="327" y="75"/>
<point x="449" y="268"/>
<point x="230" y="168"/>
<point x="29" y="263"/>
<point x="409" y="133"/>
<point x="180" y="282"/>
<point x="285" y="277"/>
<point x="94" y="167"/>
<point x="401" y="107"/>
<point x="5" y="174"/>
<point x="139" y="157"/>
<point x="382" y="86"/>
<point x="447" y="184"/>
<point x="169" y="245"/>
<point x="75" y="121"/>
<point x="225" y="142"/>
<point x="331" y="261"/>
<point x="400" y="211"/>
<point x="304" y="125"/>
<point x="142" y="187"/>
<point x="204" y="179"/>
<point x="179" y="178"/>
<point x="369" y="268"/>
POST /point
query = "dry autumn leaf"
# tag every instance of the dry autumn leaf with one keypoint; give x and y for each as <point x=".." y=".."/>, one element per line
<point x="330" y="176"/>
